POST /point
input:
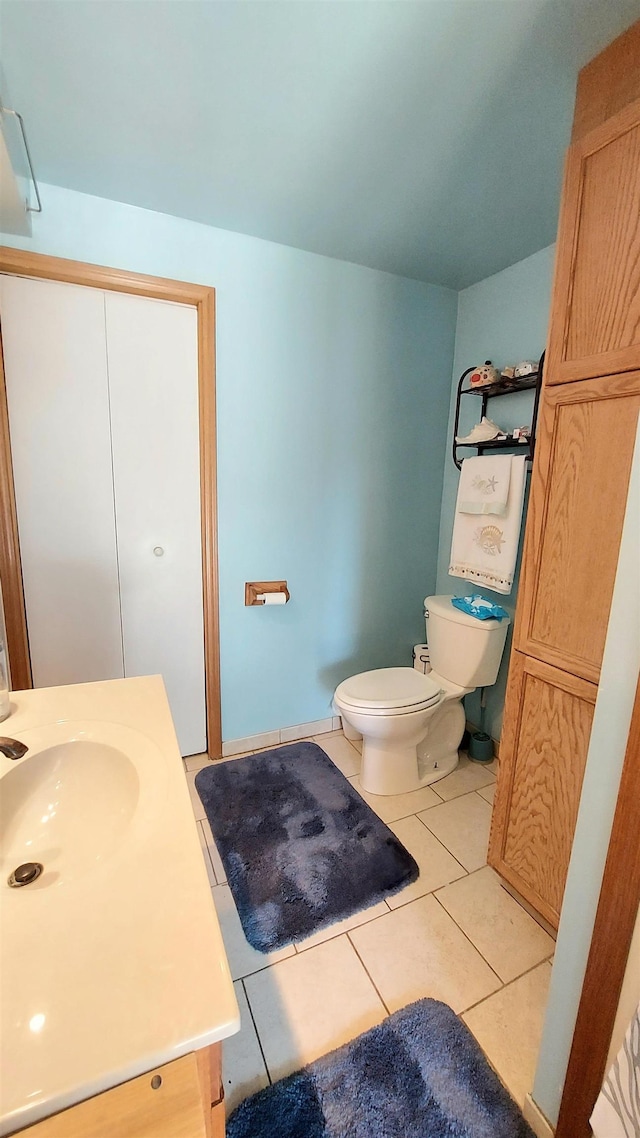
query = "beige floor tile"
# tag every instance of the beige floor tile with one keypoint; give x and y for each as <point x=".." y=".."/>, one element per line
<point x="196" y="762"/>
<point x="341" y="752"/>
<point x="306" y="1006"/>
<point x="419" y="951"/>
<point x="344" y="926"/>
<point x="462" y="825"/>
<point x="206" y="855"/>
<point x="216" y="860"/>
<point x="508" y="1027"/>
<point x="198" y="808"/>
<point x="437" y="866"/>
<point x="508" y="938"/>
<point x="390" y="807"/>
<point x="243" y="959"/>
<point x="467" y="776"/>
<point x="243" y="1069"/>
<point x="488" y="792"/>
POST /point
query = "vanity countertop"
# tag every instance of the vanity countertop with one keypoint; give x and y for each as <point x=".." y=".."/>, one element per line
<point x="112" y="961"/>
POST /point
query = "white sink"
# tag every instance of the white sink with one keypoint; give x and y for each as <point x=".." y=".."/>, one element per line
<point x="69" y="801"/>
<point x="111" y="961"/>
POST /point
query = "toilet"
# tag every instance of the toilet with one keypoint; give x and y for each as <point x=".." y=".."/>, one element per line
<point x="412" y="724"/>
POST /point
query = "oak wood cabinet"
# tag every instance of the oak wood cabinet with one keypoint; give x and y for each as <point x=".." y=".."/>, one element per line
<point x="182" y="1099"/>
<point x="586" y="431"/>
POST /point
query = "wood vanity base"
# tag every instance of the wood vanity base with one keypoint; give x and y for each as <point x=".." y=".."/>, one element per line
<point x="187" y="1102"/>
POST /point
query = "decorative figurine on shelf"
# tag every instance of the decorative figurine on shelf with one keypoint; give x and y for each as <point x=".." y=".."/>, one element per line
<point x="525" y="369"/>
<point x="483" y="374"/>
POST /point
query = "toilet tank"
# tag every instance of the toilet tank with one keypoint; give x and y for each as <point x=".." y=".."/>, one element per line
<point x="462" y="648"/>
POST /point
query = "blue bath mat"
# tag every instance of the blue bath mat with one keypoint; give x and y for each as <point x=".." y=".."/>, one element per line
<point x="301" y="848"/>
<point x="420" y="1074"/>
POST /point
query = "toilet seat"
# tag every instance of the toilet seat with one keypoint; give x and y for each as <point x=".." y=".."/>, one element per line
<point x="389" y="691"/>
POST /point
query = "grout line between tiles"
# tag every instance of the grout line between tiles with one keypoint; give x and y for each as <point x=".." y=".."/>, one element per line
<point x="442" y="843"/>
<point x="345" y="932"/>
<point x="205" y="849"/>
<point x="474" y="946"/>
<point x="255" y="1028"/>
<point x="502" y="988"/>
<point x="371" y="980"/>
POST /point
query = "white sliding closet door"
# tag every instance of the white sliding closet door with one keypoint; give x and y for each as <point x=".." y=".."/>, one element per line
<point x="153" y="383"/>
<point x="58" y="400"/>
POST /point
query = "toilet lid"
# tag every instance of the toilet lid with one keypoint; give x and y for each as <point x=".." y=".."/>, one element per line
<point x="389" y="687"/>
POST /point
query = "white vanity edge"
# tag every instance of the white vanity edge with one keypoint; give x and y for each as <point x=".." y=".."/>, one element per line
<point x="162" y="987"/>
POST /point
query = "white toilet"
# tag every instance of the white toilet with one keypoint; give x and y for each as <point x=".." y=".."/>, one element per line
<point x="412" y="724"/>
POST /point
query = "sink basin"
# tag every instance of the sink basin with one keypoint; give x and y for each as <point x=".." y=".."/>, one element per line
<point x="69" y="802"/>
<point x="111" y="961"/>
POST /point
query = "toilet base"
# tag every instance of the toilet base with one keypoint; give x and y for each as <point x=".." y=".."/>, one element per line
<point x="391" y="768"/>
<point x="400" y="770"/>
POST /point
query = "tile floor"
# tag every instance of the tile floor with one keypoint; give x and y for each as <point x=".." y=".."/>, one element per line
<point x="455" y="934"/>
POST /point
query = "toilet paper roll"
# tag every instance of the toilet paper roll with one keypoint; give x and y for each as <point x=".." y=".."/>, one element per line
<point x="272" y="598"/>
<point x="421" y="658"/>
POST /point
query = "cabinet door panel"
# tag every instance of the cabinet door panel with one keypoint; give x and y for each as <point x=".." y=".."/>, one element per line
<point x="542" y="762"/>
<point x="153" y="383"/>
<point x="576" y="514"/>
<point x="595" y="327"/>
<point x="58" y="404"/>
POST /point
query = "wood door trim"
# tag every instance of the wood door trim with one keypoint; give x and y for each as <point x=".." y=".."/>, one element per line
<point x="558" y="370"/>
<point x="608" y="956"/>
<point x="18" y="262"/>
<point x="10" y="563"/>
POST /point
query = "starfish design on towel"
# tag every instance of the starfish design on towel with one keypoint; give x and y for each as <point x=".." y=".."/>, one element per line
<point x="485" y="485"/>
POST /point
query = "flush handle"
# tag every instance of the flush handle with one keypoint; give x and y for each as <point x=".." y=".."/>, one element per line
<point x="158" y="551"/>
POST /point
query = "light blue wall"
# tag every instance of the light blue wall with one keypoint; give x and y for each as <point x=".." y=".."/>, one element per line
<point x="503" y="318"/>
<point x="333" y="386"/>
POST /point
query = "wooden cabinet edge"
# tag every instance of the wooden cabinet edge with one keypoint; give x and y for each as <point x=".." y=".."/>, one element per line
<point x="550" y="915"/>
<point x="128" y="1109"/>
<point x="506" y="771"/>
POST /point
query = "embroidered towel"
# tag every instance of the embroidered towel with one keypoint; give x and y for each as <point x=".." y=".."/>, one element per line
<point x="484" y="484"/>
<point x="617" y="1110"/>
<point x="484" y="550"/>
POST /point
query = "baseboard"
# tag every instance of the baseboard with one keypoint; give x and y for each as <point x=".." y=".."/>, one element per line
<point x="281" y="735"/>
<point x="541" y="1127"/>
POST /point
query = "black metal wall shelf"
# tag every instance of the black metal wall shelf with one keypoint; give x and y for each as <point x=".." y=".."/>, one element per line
<point x="492" y="391"/>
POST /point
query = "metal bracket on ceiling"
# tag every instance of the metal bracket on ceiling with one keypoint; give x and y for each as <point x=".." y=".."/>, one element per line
<point x="8" y="111"/>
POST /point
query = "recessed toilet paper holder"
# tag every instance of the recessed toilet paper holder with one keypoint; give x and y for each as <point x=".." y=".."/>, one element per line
<point x="256" y="592"/>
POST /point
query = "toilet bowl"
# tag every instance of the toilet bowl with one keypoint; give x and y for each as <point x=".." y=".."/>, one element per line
<point x="395" y="710"/>
<point x="412" y="724"/>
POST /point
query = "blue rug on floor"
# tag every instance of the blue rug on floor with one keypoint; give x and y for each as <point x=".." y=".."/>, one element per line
<point x="420" y="1074"/>
<point x="301" y="848"/>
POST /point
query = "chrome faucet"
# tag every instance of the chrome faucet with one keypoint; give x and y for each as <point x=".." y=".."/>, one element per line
<point x="12" y="748"/>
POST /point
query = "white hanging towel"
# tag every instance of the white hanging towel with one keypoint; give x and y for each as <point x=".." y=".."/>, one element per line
<point x="617" y="1110"/>
<point x="484" y="484"/>
<point x="484" y="549"/>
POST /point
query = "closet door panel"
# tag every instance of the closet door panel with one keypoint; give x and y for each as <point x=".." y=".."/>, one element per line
<point x="543" y="754"/>
<point x="575" y="520"/>
<point x="153" y="382"/>
<point x="56" y="376"/>
<point x="595" y="327"/>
